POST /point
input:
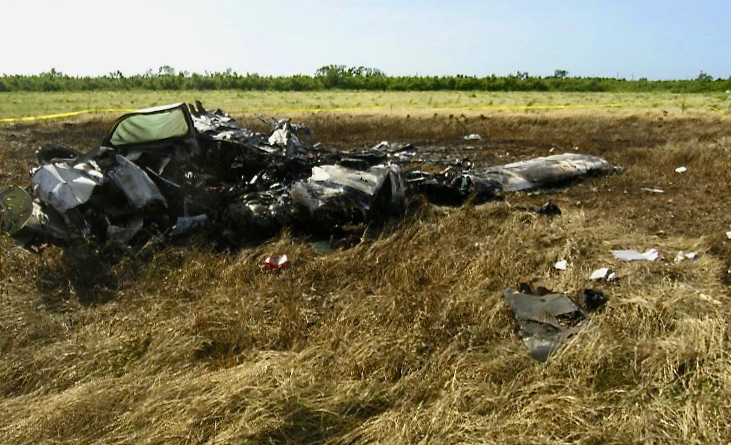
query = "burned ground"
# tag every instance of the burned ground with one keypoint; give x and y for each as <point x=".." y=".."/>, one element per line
<point x="405" y="337"/>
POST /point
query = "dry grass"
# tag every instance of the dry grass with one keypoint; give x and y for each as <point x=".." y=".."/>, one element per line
<point x="404" y="338"/>
<point x="17" y="104"/>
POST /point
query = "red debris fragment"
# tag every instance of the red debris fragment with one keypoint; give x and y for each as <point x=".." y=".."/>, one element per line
<point x="275" y="262"/>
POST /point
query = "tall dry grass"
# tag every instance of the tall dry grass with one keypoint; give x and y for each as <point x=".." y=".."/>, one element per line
<point x="405" y="337"/>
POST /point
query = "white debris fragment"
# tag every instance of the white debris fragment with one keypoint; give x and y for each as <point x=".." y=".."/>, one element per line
<point x="65" y="187"/>
<point x="472" y="137"/>
<point x="603" y="274"/>
<point x="599" y="274"/>
<point x="633" y="255"/>
<point x="529" y="174"/>
<point x="728" y="235"/>
<point x="681" y="170"/>
<point x="561" y="265"/>
<point x="279" y="137"/>
<point x="681" y="256"/>
<point x="652" y="190"/>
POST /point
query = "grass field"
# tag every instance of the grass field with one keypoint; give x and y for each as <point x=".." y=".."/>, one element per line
<point x="404" y="338"/>
<point x="14" y="105"/>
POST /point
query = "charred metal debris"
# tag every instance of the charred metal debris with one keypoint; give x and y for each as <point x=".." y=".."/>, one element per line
<point x="546" y="320"/>
<point x="167" y="172"/>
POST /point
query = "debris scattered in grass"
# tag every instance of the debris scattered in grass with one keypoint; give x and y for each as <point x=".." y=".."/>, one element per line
<point x="603" y="273"/>
<point x="633" y="255"/>
<point x="275" y="262"/>
<point x="546" y="321"/>
<point x="593" y="299"/>
<point x="681" y="256"/>
<point x="548" y="209"/>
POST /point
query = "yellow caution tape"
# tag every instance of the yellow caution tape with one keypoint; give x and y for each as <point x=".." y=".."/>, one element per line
<point x="62" y="115"/>
<point x="350" y="109"/>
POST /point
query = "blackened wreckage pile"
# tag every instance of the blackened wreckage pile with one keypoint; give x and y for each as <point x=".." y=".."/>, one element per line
<point x="164" y="172"/>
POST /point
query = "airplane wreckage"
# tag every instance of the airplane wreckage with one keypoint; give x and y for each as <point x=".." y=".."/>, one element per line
<point x="164" y="173"/>
<point x="169" y="171"/>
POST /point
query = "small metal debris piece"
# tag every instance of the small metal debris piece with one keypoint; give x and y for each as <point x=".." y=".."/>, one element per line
<point x="652" y="190"/>
<point x="599" y="274"/>
<point x="548" y="209"/>
<point x="682" y="256"/>
<point x="593" y="299"/>
<point x="122" y="235"/>
<point x="17" y="207"/>
<point x="633" y="255"/>
<point x="728" y="235"/>
<point x="275" y="262"/>
<point x="545" y="322"/>
<point x="185" y="224"/>
<point x="137" y="187"/>
<point x="603" y="274"/>
<point x="681" y="170"/>
<point x="472" y="137"/>
<point x="561" y="265"/>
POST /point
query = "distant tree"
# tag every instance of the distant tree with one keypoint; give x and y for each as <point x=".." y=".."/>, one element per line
<point x="363" y="71"/>
<point x="166" y="70"/>
<point x="704" y="77"/>
<point x="331" y="76"/>
<point x="54" y="73"/>
<point x="348" y="78"/>
<point x="357" y="77"/>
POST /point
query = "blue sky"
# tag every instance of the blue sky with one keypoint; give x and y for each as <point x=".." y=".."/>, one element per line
<point x="654" y="39"/>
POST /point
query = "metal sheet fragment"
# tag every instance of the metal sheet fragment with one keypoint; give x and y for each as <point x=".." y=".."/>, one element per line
<point x="545" y="171"/>
<point x="64" y="187"/>
<point x="545" y="322"/>
<point x="137" y="187"/>
<point x="16" y="208"/>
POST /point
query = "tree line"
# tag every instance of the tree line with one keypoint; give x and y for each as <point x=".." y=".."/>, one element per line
<point x="340" y="77"/>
